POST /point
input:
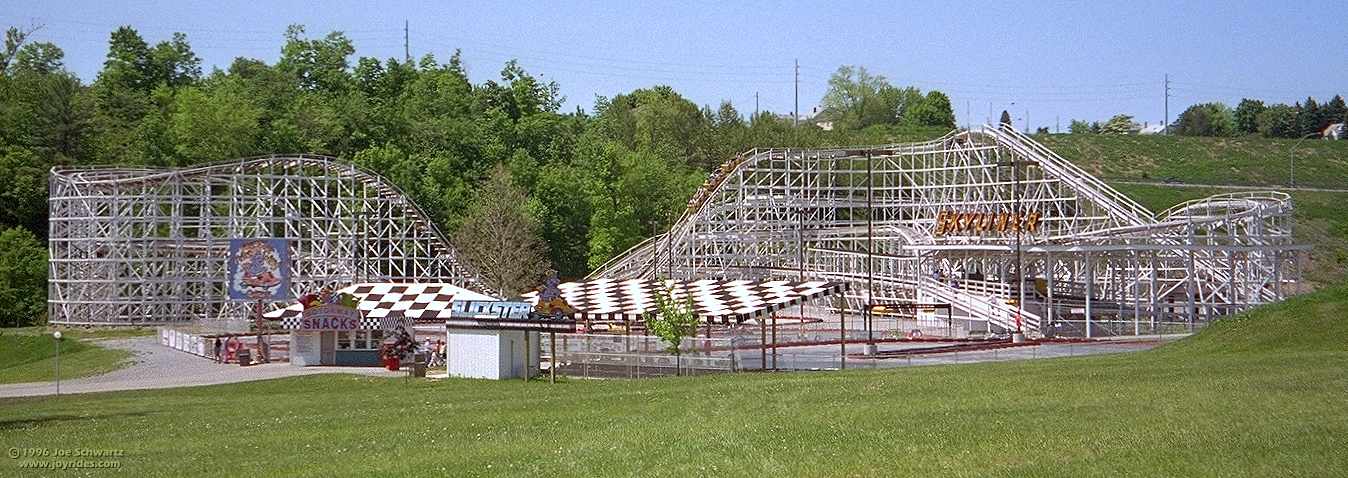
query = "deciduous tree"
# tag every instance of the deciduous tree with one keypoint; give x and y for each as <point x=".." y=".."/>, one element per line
<point x="23" y="278"/>
<point x="1247" y="115"/>
<point x="501" y="238"/>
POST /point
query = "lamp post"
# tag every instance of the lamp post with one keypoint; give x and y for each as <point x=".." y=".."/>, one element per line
<point x="1292" y="159"/>
<point x="57" y="336"/>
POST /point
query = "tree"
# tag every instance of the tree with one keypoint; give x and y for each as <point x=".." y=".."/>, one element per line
<point x="1247" y="115"/>
<point x="23" y="199"/>
<point x="40" y="58"/>
<point x="1042" y="130"/>
<point x="1119" y="124"/>
<point x="128" y="62"/>
<point x="214" y="124"/>
<point x="1005" y="120"/>
<point x="1308" y="118"/>
<point x="318" y="64"/>
<point x="860" y="99"/>
<point x="501" y="238"/>
<point x="23" y="278"/>
<point x="14" y="40"/>
<point x="932" y="110"/>
<point x="1334" y="111"/>
<point x="1079" y="127"/>
<point x="673" y="319"/>
<point x="172" y="63"/>
<point x="1205" y="119"/>
<point x="1279" y="121"/>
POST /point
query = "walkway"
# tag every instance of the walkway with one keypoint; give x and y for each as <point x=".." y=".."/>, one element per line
<point x="157" y="366"/>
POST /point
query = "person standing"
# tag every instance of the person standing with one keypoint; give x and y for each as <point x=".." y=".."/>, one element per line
<point x="218" y="345"/>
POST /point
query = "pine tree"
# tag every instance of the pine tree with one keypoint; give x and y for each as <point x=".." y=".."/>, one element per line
<point x="1308" y="118"/>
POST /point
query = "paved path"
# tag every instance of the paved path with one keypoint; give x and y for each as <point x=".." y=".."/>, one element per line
<point x="157" y="366"/>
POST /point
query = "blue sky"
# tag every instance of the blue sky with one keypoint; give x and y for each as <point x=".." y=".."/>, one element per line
<point x="1056" y="61"/>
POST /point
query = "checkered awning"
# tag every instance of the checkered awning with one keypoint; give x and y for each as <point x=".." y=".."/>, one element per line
<point x="397" y="300"/>
<point x="713" y="300"/>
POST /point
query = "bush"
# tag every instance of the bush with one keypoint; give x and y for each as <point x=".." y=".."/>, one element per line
<point x="1278" y="121"/>
<point x="23" y="278"/>
<point x="1206" y="119"/>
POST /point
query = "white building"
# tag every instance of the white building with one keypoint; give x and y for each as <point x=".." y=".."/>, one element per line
<point x="1334" y="131"/>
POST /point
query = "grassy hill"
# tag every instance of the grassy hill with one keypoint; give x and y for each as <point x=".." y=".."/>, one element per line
<point x="1259" y="395"/>
<point x="29" y="354"/>
<point x="1236" y="161"/>
<point x="1254" y="162"/>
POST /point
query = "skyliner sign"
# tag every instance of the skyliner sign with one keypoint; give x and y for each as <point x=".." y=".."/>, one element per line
<point x="951" y="223"/>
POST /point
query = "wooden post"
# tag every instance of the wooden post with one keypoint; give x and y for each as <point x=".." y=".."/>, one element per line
<point x="774" y="341"/>
<point x="763" y="341"/>
<point x="526" y="356"/>
<point x="842" y="335"/>
<point x="552" y="357"/>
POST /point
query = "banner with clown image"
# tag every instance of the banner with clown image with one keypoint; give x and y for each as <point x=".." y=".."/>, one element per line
<point x="259" y="269"/>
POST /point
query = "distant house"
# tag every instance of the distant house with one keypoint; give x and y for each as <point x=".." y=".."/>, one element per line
<point x="1334" y="131"/>
<point x="1152" y="129"/>
<point x="822" y="118"/>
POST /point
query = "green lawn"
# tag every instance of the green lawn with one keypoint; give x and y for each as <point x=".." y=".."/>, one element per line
<point x="1265" y="394"/>
<point x="29" y="354"/>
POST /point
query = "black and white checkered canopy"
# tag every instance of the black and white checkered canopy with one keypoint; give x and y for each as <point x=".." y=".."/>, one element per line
<point x="395" y="300"/>
<point x="716" y="301"/>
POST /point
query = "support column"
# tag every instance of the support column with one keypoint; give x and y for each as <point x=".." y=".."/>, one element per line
<point x="774" y="341"/>
<point x="1090" y="290"/>
<point x="842" y="335"/>
<point x="763" y="341"/>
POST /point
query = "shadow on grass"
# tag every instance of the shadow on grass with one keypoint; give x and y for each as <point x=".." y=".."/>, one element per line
<point x="16" y="424"/>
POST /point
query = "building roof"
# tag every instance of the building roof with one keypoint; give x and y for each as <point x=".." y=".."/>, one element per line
<point x="429" y="301"/>
<point x="717" y="301"/>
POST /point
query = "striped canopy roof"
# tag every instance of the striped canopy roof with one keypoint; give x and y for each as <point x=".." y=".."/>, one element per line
<point x="390" y="299"/>
<point x="718" y="301"/>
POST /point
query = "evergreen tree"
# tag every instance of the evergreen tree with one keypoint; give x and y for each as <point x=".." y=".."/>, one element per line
<point x="1308" y="117"/>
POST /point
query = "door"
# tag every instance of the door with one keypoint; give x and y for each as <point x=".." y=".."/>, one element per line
<point x="327" y="348"/>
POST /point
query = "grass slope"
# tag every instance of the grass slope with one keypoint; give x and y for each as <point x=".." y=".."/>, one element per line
<point x="1235" y="161"/>
<point x="1260" y="395"/>
<point x="29" y="354"/>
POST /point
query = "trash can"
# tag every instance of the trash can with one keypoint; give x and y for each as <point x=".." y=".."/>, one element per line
<point x="418" y="368"/>
<point x="245" y="357"/>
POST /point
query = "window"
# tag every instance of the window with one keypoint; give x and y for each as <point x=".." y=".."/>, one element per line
<point x="361" y="337"/>
<point x="343" y="340"/>
<point x="376" y="338"/>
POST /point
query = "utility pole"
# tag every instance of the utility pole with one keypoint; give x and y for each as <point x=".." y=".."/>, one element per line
<point x="1057" y="125"/>
<point x="407" y="46"/>
<point x="870" y="244"/>
<point x="1027" y="121"/>
<point x="1166" y="126"/>
<point x="751" y="120"/>
<point x="795" y="116"/>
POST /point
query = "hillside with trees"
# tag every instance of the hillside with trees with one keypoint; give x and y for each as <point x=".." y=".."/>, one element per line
<point x="588" y="184"/>
<point x="591" y="183"/>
